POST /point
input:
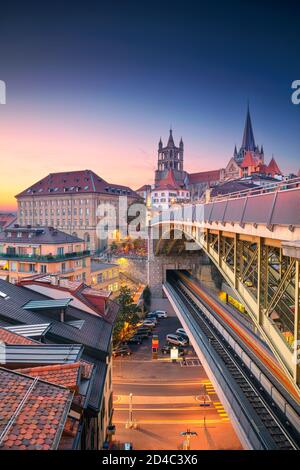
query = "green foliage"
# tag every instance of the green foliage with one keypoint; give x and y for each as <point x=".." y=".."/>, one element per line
<point x="127" y="312"/>
<point x="147" y="297"/>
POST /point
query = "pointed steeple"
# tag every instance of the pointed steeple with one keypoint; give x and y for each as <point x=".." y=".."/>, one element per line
<point x="160" y="144"/>
<point x="181" y="143"/>
<point x="235" y="151"/>
<point x="273" y="168"/>
<point x="248" y="138"/>
<point x="171" y="141"/>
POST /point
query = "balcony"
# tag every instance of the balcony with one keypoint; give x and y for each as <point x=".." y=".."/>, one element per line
<point x="45" y="258"/>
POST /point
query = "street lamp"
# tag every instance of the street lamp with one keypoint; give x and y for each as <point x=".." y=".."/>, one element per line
<point x="130" y="423"/>
<point x="188" y="434"/>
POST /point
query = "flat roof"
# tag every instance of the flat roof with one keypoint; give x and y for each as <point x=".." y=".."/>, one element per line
<point x="29" y="331"/>
<point x="42" y="353"/>
<point x="47" y="304"/>
<point x="99" y="266"/>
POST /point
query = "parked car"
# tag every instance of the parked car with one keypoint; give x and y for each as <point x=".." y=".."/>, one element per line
<point x="177" y="340"/>
<point x="161" y="313"/>
<point x="143" y="334"/>
<point x="181" y="332"/>
<point x="144" y="330"/>
<point x="135" y="339"/>
<point x="167" y="348"/>
<point x="151" y="316"/>
<point x="121" y="351"/>
<point x="150" y="323"/>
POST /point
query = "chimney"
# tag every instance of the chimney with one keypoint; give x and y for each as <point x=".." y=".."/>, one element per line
<point x="54" y="280"/>
<point x="62" y="315"/>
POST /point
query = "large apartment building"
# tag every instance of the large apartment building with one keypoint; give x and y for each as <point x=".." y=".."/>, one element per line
<point x="29" y="251"/>
<point x="68" y="201"/>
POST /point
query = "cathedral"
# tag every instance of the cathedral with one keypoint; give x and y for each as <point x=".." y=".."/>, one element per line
<point x="249" y="159"/>
<point x="172" y="182"/>
<point x="170" y="157"/>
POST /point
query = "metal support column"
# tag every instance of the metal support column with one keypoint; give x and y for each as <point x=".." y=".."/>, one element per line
<point x="297" y="326"/>
<point x="259" y="279"/>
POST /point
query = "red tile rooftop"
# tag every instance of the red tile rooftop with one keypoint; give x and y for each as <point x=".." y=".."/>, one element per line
<point x="74" y="182"/>
<point x="96" y="292"/>
<point x="67" y="375"/>
<point x="13" y="338"/>
<point x="39" y="421"/>
<point x="204" y="176"/>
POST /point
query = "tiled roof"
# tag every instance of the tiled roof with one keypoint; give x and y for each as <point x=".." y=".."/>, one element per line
<point x="169" y="182"/>
<point x="39" y="422"/>
<point x="232" y="187"/>
<point x="6" y="219"/>
<point x="41" y="235"/>
<point x="12" y="338"/>
<point x="249" y="160"/>
<point x="66" y="375"/>
<point x="204" y="176"/>
<point x="94" y="334"/>
<point x="273" y="168"/>
<point x="74" y="182"/>
<point x="143" y="188"/>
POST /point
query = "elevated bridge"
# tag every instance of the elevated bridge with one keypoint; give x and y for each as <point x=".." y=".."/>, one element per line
<point x="253" y="238"/>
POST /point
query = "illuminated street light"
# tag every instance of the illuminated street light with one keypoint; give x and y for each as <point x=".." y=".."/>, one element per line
<point x="188" y="434"/>
<point x="130" y="423"/>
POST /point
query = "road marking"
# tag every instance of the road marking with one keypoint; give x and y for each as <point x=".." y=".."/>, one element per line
<point x="190" y="363"/>
<point x="174" y="421"/>
<point x="221" y="411"/>
<point x="161" y="384"/>
<point x="157" y="399"/>
<point x="183" y="409"/>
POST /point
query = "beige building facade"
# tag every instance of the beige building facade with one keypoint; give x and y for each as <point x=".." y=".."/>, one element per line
<point x="69" y="201"/>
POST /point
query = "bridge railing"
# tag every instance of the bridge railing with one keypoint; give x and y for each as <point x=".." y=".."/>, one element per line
<point x="267" y="188"/>
<point x="280" y="207"/>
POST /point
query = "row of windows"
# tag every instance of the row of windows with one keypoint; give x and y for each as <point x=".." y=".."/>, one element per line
<point x="57" y="223"/>
<point x="43" y="268"/>
<point x="54" y="202"/>
<point x="57" y="212"/>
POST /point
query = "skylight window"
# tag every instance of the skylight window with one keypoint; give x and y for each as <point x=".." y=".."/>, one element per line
<point x="3" y="295"/>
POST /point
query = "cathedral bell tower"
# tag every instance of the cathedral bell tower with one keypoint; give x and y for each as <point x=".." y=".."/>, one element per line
<point x="170" y="157"/>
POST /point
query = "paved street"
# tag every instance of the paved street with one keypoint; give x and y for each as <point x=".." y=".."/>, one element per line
<point x="167" y="399"/>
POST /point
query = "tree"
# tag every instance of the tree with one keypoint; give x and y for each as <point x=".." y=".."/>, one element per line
<point x="127" y="313"/>
<point x="147" y="297"/>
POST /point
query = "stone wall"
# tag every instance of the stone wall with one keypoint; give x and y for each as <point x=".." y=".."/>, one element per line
<point x="134" y="268"/>
<point x="159" y="265"/>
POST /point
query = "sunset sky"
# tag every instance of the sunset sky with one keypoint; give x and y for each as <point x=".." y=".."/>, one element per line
<point x="94" y="85"/>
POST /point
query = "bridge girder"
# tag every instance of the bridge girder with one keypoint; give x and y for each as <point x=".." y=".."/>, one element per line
<point x="265" y="280"/>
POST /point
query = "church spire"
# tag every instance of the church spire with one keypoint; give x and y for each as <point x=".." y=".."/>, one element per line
<point x="248" y="138"/>
<point x="171" y="141"/>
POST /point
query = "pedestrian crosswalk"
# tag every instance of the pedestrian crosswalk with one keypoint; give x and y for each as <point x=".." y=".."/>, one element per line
<point x="190" y="363"/>
<point x="221" y="411"/>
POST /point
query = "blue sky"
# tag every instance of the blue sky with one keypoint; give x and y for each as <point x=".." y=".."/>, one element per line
<point x="95" y="84"/>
